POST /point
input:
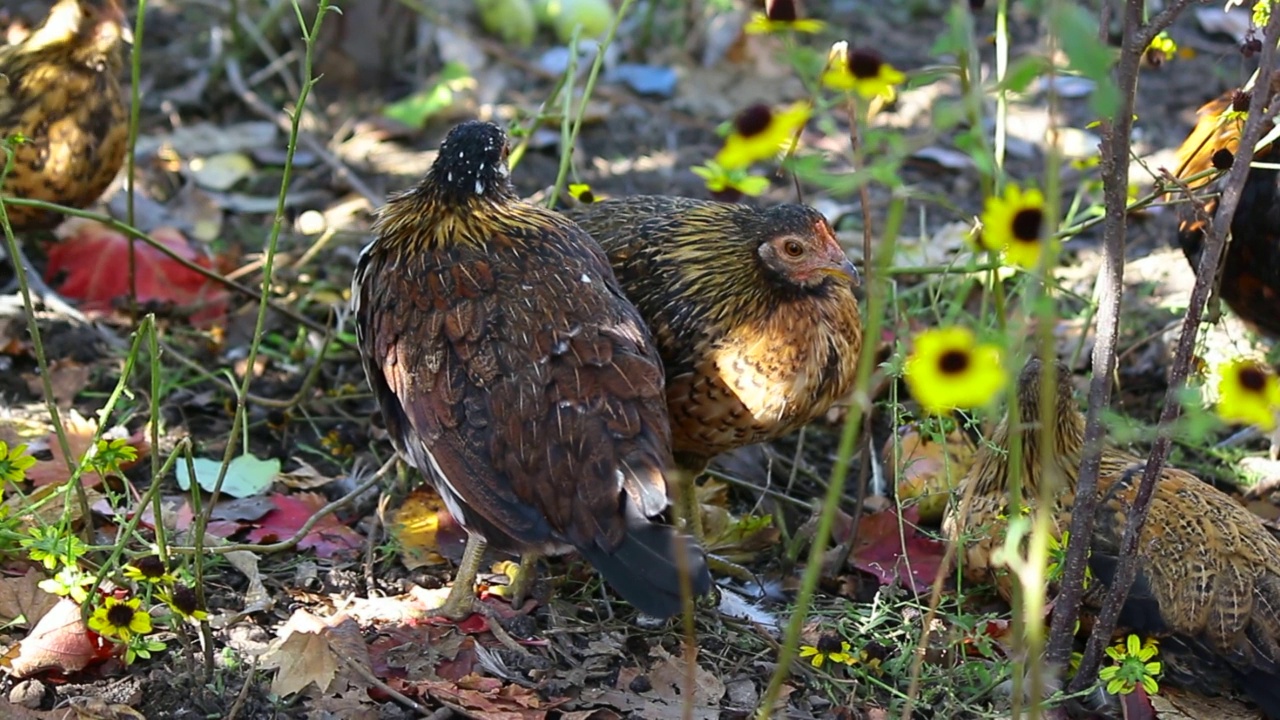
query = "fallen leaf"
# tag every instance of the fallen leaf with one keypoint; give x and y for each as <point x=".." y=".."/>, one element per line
<point x="222" y="171"/>
<point x="416" y="527"/>
<point x="302" y="656"/>
<point x="476" y="696"/>
<point x="879" y="549"/>
<point x="928" y="470"/>
<point x="91" y="257"/>
<point x="66" y="377"/>
<point x="21" y="597"/>
<point x="305" y="477"/>
<point x="79" y="431"/>
<point x="1174" y="704"/>
<point x="246" y="475"/>
<point x="59" y="641"/>
<point x="327" y="537"/>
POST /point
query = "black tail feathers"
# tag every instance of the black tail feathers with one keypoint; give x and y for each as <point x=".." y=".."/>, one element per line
<point x="644" y="568"/>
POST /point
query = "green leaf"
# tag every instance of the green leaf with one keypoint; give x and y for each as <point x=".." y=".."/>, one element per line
<point x="414" y="110"/>
<point x="1078" y="33"/>
<point x="1022" y="71"/>
<point x="246" y="476"/>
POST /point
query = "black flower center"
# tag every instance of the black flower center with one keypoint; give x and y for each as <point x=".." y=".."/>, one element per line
<point x="829" y="643"/>
<point x="120" y="615"/>
<point x="1253" y="379"/>
<point x="586" y="196"/>
<point x="185" y="600"/>
<point x="953" y="362"/>
<point x="753" y="120"/>
<point x="781" y="10"/>
<point x="1240" y="100"/>
<point x="1223" y="159"/>
<point x="865" y="64"/>
<point x="151" y="566"/>
<point x="1026" y="224"/>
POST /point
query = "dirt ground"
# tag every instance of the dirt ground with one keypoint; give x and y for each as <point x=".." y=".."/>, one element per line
<point x="229" y="89"/>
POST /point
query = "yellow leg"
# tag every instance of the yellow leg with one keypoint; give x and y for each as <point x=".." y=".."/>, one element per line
<point x="688" y="511"/>
<point x="518" y="590"/>
<point x="462" y="596"/>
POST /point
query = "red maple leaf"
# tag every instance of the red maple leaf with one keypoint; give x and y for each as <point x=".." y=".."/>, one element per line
<point x="328" y="537"/>
<point x="879" y="550"/>
<point x="94" y="260"/>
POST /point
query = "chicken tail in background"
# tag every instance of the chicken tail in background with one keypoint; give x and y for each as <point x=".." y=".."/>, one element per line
<point x="645" y="568"/>
<point x="1251" y="269"/>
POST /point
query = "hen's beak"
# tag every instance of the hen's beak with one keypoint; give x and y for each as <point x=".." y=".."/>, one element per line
<point x="846" y="271"/>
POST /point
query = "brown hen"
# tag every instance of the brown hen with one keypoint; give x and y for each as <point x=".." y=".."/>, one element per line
<point x="1209" y="574"/>
<point x="512" y="371"/>
<point x="61" y="93"/>
<point x="753" y="312"/>
<point x="1251" y="268"/>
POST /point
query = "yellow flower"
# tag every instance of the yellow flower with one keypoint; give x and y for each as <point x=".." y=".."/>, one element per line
<point x="758" y="133"/>
<point x="582" y="193"/>
<point x="1134" y="665"/>
<point x="120" y="618"/>
<point x="1058" y="559"/>
<point x="779" y="16"/>
<point x="148" y="569"/>
<point x="14" y="463"/>
<point x="948" y="369"/>
<point x="829" y="647"/>
<point x="184" y="601"/>
<point x="862" y="71"/>
<point x="1248" y="392"/>
<point x="1015" y="224"/>
<point x="725" y="184"/>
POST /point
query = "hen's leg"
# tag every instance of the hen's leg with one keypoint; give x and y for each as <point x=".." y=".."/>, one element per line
<point x="462" y="596"/>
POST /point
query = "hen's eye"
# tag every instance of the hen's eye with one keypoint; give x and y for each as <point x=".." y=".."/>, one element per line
<point x="793" y="249"/>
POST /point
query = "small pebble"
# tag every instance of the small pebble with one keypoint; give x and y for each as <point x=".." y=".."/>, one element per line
<point x="28" y="693"/>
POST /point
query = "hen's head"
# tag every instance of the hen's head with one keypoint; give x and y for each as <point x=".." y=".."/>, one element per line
<point x="472" y="165"/>
<point x="800" y="249"/>
<point x="1029" y="392"/>
<point x="88" y="32"/>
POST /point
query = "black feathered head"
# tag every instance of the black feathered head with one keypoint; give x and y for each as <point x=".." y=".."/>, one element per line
<point x="472" y="164"/>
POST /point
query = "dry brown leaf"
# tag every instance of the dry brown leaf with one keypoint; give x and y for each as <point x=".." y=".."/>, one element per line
<point x="58" y="641"/>
<point x="929" y="470"/>
<point x="302" y="657"/>
<point x="22" y="597"/>
<point x="66" y="377"/>
<point x="96" y="708"/>
<point x="48" y="505"/>
<point x="1174" y="704"/>
<point x="304" y="477"/>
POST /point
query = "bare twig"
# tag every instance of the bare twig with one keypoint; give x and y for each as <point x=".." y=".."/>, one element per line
<point x="1115" y="174"/>
<point x="1210" y="260"/>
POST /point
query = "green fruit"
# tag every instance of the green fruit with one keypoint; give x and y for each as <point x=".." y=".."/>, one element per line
<point x="511" y="20"/>
<point x="595" y="17"/>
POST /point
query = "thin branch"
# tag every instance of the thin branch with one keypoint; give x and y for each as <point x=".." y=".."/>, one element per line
<point x="1210" y="260"/>
<point x="1115" y="183"/>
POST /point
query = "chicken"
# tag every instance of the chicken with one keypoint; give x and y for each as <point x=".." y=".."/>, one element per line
<point x="60" y="92"/>
<point x="752" y="310"/>
<point x="512" y="371"/>
<point x="1251" y="269"/>
<point x="1208" y="580"/>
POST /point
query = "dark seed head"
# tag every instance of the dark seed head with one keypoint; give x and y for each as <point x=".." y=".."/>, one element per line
<point x="953" y="362"/>
<point x="829" y="643"/>
<point x="586" y="196"/>
<point x="976" y="5"/>
<point x="1240" y="100"/>
<point x="1223" y="159"/>
<point x="1155" y="58"/>
<point x="120" y="615"/>
<point x="752" y="120"/>
<point x="185" y="600"/>
<point x="727" y="195"/>
<point x="781" y="10"/>
<point x="1250" y="47"/>
<point x="1253" y="379"/>
<point x="1027" y="224"/>
<point x="151" y="566"/>
<point x="865" y="64"/>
